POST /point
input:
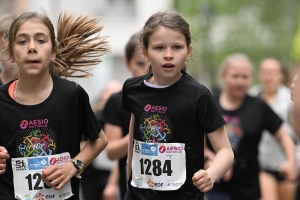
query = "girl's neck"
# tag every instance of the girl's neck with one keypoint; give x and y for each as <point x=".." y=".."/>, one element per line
<point x="269" y="95"/>
<point x="155" y="80"/>
<point x="230" y="102"/>
<point x="32" y="91"/>
<point x="33" y="83"/>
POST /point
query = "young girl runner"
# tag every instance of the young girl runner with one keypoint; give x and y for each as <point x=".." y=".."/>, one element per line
<point x="42" y="115"/>
<point x="272" y="90"/>
<point x="171" y="112"/>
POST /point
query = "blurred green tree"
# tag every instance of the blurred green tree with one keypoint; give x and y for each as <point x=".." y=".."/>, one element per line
<point x="254" y="27"/>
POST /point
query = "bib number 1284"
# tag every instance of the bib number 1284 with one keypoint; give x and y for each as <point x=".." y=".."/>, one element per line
<point x="157" y="168"/>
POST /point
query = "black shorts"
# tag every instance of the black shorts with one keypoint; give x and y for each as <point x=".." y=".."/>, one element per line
<point x="279" y="177"/>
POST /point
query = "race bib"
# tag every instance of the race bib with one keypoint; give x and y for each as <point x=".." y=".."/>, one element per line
<point x="158" y="166"/>
<point x="28" y="184"/>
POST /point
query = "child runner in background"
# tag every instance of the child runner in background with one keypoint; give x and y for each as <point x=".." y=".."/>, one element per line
<point x="170" y="114"/>
<point x="246" y="118"/>
<point x="45" y="115"/>
<point x="117" y="120"/>
<point x="272" y="90"/>
<point x="95" y="175"/>
<point x="9" y="70"/>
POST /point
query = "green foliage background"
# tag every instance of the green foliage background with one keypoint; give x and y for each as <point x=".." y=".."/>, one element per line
<point x="258" y="28"/>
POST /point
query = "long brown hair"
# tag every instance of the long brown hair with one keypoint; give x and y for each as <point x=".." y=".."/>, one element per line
<point x="131" y="46"/>
<point x="79" y="44"/>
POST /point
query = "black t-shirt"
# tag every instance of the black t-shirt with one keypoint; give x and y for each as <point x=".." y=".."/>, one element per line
<point x="114" y="114"/>
<point x="244" y="127"/>
<point x="186" y="110"/>
<point x="57" y="125"/>
<point x="100" y="117"/>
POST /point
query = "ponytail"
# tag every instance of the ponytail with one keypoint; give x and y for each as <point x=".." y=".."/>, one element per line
<point x="79" y="45"/>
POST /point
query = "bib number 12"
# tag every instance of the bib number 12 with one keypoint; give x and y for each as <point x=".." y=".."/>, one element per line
<point x="38" y="178"/>
<point x="156" y="166"/>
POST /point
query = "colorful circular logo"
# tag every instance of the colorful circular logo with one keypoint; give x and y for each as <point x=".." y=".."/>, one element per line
<point x="162" y="149"/>
<point x="52" y="161"/>
<point x="24" y="124"/>
<point x="155" y="127"/>
<point x="147" y="107"/>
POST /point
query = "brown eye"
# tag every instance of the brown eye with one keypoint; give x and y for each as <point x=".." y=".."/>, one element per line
<point x="22" y="42"/>
<point x="159" y="48"/>
<point x="41" y="41"/>
<point x="177" y="47"/>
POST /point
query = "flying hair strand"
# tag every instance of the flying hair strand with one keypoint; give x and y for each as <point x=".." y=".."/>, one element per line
<point x="79" y="45"/>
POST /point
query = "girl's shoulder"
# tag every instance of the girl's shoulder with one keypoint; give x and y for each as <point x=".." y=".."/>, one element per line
<point x="284" y="91"/>
<point x="191" y="84"/>
<point x="65" y="86"/>
<point x="255" y="101"/>
<point x="4" y="89"/>
<point x="5" y="86"/>
<point x="134" y="81"/>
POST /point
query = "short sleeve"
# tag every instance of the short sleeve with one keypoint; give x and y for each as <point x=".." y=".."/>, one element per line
<point x="111" y="115"/>
<point x="272" y="121"/>
<point x="125" y="97"/>
<point x="89" y="125"/>
<point x="209" y="116"/>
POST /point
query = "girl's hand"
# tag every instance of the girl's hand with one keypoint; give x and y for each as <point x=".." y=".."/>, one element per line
<point x="110" y="192"/>
<point x="203" y="181"/>
<point x="289" y="170"/>
<point x="3" y="156"/>
<point x="58" y="175"/>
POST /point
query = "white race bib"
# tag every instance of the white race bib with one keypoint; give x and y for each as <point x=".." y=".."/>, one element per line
<point x="28" y="184"/>
<point x="158" y="166"/>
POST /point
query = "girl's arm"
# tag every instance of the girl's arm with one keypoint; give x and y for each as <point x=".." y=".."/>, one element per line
<point x="118" y="145"/>
<point x="130" y="146"/>
<point x="288" y="168"/>
<point x="295" y="96"/>
<point x="92" y="149"/>
<point x="111" y="188"/>
<point x="223" y="160"/>
<point x="59" y="175"/>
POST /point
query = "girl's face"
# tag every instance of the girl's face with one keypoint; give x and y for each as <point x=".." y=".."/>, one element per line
<point x="270" y="74"/>
<point x="237" y="78"/>
<point x="137" y="64"/>
<point x="167" y="53"/>
<point x="32" y="48"/>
